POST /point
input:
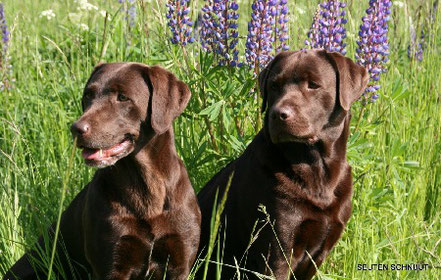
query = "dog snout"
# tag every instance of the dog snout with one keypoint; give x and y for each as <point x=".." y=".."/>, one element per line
<point x="282" y="113"/>
<point x="80" y="128"/>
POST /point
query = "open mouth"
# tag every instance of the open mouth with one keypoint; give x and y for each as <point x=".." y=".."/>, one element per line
<point x="102" y="157"/>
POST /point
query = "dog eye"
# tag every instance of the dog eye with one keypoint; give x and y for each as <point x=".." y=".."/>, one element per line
<point x="313" y="85"/>
<point x="122" y="97"/>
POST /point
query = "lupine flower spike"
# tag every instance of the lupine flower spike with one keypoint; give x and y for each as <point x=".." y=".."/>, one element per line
<point x="260" y="36"/>
<point x="373" y="46"/>
<point x="130" y="11"/>
<point x="280" y="14"/>
<point x="179" y="22"/>
<point x="314" y="30"/>
<point x="218" y="32"/>
<point x="5" y="67"/>
<point x="5" y="32"/>
<point x="328" y="28"/>
<point x="417" y="46"/>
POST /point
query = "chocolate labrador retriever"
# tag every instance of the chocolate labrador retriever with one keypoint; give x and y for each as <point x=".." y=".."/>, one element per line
<point x="295" y="167"/>
<point x="138" y="218"/>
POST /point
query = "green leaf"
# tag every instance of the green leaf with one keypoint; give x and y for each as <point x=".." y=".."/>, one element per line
<point x="226" y="118"/>
<point x="213" y="110"/>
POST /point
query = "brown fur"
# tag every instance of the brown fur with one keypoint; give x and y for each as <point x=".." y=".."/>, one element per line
<point x="139" y="217"/>
<point x="296" y="167"/>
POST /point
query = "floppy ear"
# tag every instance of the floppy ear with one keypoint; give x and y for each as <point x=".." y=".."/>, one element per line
<point x="168" y="98"/>
<point x="352" y="79"/>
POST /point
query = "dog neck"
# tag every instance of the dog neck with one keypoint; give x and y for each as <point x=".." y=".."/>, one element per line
<point x="315" y="169"/>
<point x="150" y="168"/>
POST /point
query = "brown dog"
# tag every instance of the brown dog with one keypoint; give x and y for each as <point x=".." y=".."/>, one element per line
<point x="296" y="167"/>
<point x="138" y="217"/>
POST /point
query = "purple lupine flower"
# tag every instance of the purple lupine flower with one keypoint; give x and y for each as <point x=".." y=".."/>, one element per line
<point x="416" y="47"/>
<point x="130" y="11"/>
<point x="179" y="22"/>
<point x="5" y="67"/>
<point x="314" y="30"/>
<point x="373" y="46"/>
<point x="218" y="32"/>
<point x="259" y="44"/>
<point x="4" y="27"/>
<point x="280" y="14"/>
<point x="328" y="28"/>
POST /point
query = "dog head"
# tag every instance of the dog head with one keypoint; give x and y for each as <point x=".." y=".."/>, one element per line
<point x="122" y="103"/>
<point x="305" y="90"/>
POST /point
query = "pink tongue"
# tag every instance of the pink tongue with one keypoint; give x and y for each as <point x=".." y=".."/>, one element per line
<point x="94" y="154"/>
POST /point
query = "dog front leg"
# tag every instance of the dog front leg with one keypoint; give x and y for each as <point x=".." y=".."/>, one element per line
<point x="283" y="263"/>
<point x="130" y="259"/>
<point x="179" y="255"/>
<point x="310" y="268"/>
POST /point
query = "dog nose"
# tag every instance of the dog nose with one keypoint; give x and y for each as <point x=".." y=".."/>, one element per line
<point x="79" y="128"/>
<point x="282" y="114"/>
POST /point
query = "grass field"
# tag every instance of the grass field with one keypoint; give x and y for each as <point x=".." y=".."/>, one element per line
<point x="394" y="149"/>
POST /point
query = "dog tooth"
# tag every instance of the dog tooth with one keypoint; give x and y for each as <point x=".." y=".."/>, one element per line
<point x="101" y="152"/>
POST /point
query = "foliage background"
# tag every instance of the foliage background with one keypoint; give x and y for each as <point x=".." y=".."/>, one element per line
<point x="394" y="149"/>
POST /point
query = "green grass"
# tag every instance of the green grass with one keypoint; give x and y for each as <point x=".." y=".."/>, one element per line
<point x="394" y="149"/>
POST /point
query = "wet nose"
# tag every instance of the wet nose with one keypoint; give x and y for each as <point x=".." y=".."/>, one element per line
<point x="282" y="113"/>
<point x="79" y="128"/>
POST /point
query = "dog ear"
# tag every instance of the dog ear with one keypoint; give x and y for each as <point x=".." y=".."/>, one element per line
<point x="168" y="98"/>
<point x="352" y="79"/>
